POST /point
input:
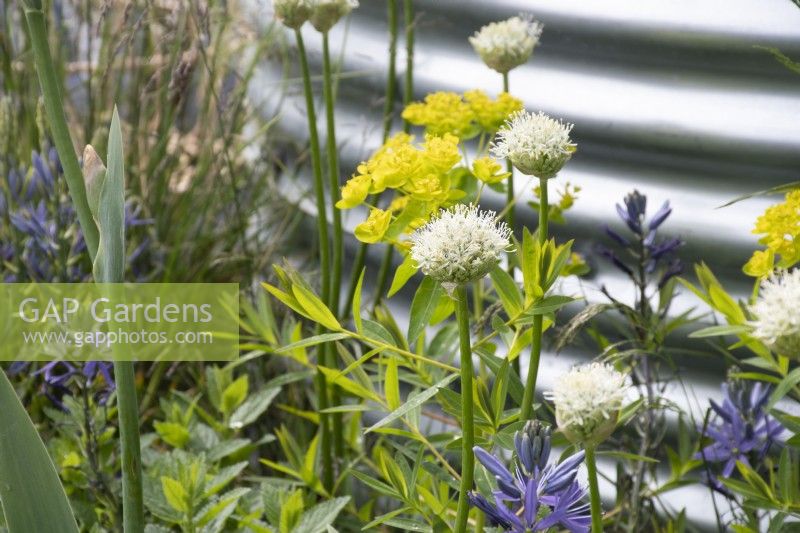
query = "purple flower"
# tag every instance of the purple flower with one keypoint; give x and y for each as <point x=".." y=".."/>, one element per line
<point x="520" y="496"/>
<point x="742" y="431"/>
<point x="647" y="251"/>
<point x="44" y="241"/>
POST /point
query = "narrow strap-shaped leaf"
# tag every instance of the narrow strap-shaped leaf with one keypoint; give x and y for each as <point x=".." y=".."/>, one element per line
<point x="30" y="491"/>
<point x="413" y="403"/>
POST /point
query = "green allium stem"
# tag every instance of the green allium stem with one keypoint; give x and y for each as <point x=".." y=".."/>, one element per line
<point x="54" y="108"/>
<point x="324" y="255"/>
<point x="510" y="219"/>
<point x="408" y="90"/>
<point x="333" y="176"/>
<point x="338" y="237"/>
<point x="509" y="186"/>
<point x="594" y="491"/>
<point x="536" y="344"/>
<point x="467" y="420"/>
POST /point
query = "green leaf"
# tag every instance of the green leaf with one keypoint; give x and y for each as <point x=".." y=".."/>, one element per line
<point x="317" y="310"/>
<point x="357" y="302"/>
<point x="109" y="263"/>
<point x="787" y="383"/>
<point x="548" y="304"/>
<point x="392" y="384"/>
<point x="175" y="494"/>
<point x="174" y="434"/>
<point x="413" y="403"/>
<point x="422" y="307"/>
<point x="336" y="378"/>
<point x="404" y="272"/>
<point x="778" y="189"/>
<point x="629" y="456"/>
<point x="234" y="394"/>
<point x="507" y="290"/>
<point x="31" y="492"/>
<point x="318" y="518"/>
<point x="312" y="341"/>
<point x="716" y="331"/>
<point x="253" y="407"/>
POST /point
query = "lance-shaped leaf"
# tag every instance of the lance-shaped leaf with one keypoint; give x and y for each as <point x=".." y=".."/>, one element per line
<point x="30" y="491"/>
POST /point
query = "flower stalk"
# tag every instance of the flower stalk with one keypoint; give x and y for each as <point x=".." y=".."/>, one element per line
<point x="324" y="254"/>
<point x="338" y="238"/>
<point x="467" y="420"/>
<point x="536" y="348"/>
<point x="510" y="198"/>
<point x="594" y="490"/>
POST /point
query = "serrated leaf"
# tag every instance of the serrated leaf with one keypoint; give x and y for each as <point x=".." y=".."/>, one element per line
<point x="253" y="407"/>
<point x="175" y="494"/>
<point x="319" y="517"/>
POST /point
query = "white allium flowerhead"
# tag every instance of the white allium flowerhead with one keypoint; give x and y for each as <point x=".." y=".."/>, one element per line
<point x="292" y="13"/>
<point x="587" y="400"/>
<point x="536" y="144"/>
<point x="461" y="245"/>
<point x="507" y="44"/>
<point x="326" y="13"/>
<point x="776" y="314"/>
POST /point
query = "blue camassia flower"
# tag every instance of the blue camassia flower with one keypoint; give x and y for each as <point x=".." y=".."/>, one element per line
<point x="658" y="253"/>
<point x="534" y="487"/>
<point x="742" y="430"/>
<point x="41" y="237"/>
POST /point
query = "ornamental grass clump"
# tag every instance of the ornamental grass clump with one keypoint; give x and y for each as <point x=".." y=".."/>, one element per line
<point x="776" y="320"/>
<point x="460" y="246"/>
<point x="588" y="400"/>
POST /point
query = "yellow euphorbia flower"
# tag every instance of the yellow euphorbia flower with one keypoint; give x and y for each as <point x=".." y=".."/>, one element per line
<point x="761" y="264"/>
<point x="395" y="168"/>
<point x="441" y="153"/>
<point x="373" y="229"/>
<point x="430" y="187"/>
<point x="399" y="203"/>
<point x="354" y="191"/>
<point x="780" y="225"/>
<point x="488" y="170"/>
<point x="492" y="114"/>
<point x="441" y="113"/>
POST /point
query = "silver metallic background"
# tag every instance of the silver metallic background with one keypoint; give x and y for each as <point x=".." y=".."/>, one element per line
<point x="671" y="97"/>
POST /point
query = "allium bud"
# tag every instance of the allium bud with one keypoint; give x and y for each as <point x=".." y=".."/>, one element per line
<point x="507" y="44"/>
<point x="588" y="400"/>
<point x="536" y="144"/>
<point x="461" y="245"/>
<point x="326" y="13"/>
<point x="776" y="317"/>
<point x="292" y="13"/>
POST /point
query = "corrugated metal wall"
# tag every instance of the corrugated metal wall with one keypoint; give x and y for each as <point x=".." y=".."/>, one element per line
<point x="672" y="97"/>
